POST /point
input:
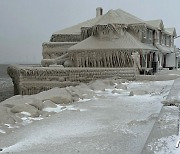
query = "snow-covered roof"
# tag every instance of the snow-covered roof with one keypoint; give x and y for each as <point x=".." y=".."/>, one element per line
<point x="156" y="23"/>
<point x="164" y="49"/>
<point x="130" y="19"/>
<point x="76" y="29"/>
<point x="111" y="17"/>
<point x="126" y="41"/>
<point x="118" y="17"/>
<point x="171" y="30"/>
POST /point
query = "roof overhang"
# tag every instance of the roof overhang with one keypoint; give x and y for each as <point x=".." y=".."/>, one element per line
<point x="124" y="42"/>
<point x="164" y="49"/>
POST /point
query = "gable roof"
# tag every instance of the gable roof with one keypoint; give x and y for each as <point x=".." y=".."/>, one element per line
<point x="172" y="31"/>
<point x="111" y="17"/>
<point x="130" y="19"/>
<point x="118" y="17"/>
<point x="156" y="23"/>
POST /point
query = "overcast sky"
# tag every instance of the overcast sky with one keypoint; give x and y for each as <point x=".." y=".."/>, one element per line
<point x="26" y="24"/>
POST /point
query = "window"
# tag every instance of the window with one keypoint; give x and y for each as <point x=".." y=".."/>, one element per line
<point x="170" y="41"/>
<point x="150" y="34"/>
<point x="156" y="37"/>
<point x="144" y="34"/>
<point x="160" y="37"/>
<point x="165" y="40"/>
<point x="147" y="34"/>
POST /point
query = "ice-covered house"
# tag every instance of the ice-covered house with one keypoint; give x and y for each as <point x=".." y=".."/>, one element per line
<point x="112" y="44"/>
<point x="114" y="33"/>
<point x="163" y="40"/>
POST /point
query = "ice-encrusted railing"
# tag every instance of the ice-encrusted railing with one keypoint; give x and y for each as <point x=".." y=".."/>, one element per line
<point x="30" y="80"/>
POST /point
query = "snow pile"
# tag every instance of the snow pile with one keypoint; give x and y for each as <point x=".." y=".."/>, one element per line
<point x="23" y="110"/>
<point x="167" y="145"/>
<point x="98" y="112"/>
<point x="2" y="131"/>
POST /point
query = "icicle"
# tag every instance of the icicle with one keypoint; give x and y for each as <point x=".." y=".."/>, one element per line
<point x="120" y="61"/>
<point x="117" y="56"/>
<point x="127" y="59"/>
<point x="115" y="60"/>
<point x="86" y="62"/>
<point x="78" y="60"/>
<point x="104" y="59"/>
<point x="98" y="62"/>
<point x="111" y="61"/>
<point x="123" y="59"/>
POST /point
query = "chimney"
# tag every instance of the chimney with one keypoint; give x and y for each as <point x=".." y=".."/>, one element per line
<point x="99" y="11"/>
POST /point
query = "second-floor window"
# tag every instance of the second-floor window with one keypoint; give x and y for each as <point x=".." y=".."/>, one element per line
<point x="172" y="41"/>
<point x="156" y="36"/>
<point x="147" y="34"/>
<point x="144" y="34"/>
<point x="150" y="34"/>
<point x="165" y="39"/>
<point x="160" y="37"/>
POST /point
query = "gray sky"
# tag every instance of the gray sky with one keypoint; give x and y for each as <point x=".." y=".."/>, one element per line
<point x="26" y="24"/>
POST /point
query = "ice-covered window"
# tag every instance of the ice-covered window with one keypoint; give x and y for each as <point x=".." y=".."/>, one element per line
<point x="144" y="34"/>
<point x="163" y="39"/>
<point x="150" y="34"/>
<point x="147" y="33"/>
<point x="172" y="41"/>
<point x="160" y="37"/>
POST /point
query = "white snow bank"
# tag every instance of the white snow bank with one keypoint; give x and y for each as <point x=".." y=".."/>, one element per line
<point x="58" y="109"/>
<point x="44" y="134"/>
<point x="26" y="113"/>
<point x="166" y="145"/>
<point x="28" y="120"/>
<point x="84" y="100"/>
<point x="120" y="113"/>
<point x="47" y="106"/>
<point x="2" y="131"/>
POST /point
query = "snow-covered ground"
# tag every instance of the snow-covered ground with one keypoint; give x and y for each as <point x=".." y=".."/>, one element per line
<point x="110" y="116"/>
<point x="163" y="138"/>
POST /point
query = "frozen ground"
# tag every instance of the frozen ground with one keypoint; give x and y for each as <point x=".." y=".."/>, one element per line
<point x="165" y="135"/>
<point x="102" y="121"/>
<point x="163" y="138"/>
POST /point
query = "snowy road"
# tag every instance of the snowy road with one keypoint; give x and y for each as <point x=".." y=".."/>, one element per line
<point x="109" y="123"/>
